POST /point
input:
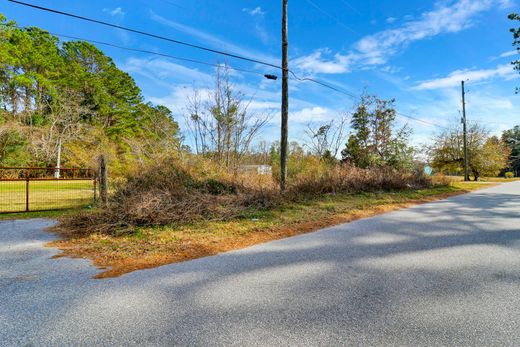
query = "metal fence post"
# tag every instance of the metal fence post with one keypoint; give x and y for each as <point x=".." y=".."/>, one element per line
<point x="26" y="190"/>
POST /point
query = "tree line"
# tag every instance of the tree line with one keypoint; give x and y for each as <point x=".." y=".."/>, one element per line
<point x="71" y="93"/>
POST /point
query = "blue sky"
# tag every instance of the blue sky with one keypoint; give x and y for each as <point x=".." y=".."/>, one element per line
<point x="414" y="51"/>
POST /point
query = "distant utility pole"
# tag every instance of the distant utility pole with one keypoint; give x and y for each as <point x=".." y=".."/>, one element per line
<point x="58" y="161"/>
<point x="285" y="99"/>
<point x="465" y="130"/>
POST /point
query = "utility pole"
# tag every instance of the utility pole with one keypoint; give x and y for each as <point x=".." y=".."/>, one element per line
<point x="285" y="99"/>
<point x="465" y="135"/>
<point x="58" y="161"/>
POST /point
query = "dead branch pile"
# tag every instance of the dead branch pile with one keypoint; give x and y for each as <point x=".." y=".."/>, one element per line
<point x="169" y="193"/>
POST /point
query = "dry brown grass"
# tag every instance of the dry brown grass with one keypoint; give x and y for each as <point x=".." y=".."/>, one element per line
<point x="174" y="192"/>
<point x="173" y="212"/>
<point x="152" y="247"/>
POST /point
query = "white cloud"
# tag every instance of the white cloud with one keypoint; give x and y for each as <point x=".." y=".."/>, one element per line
<point x="314" y="63"/>
<point x="391" y="20"/>
<point x="508" y="54"/>
<point x="118" y="11"/>
<point x="312" y="114"/>
<point x="376" y="49"/>
<point x="443" y="19"/>
<point x="178" y="96"/>
<point x="493" y="109"/>
<point x="505" y="55"/>
<point x="454" y="78"/>
<point x="505" y="4"/>
<point x="257" y="11"/>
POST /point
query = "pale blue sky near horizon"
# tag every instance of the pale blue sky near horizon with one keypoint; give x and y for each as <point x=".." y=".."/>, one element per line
<point x="415" y="52"/>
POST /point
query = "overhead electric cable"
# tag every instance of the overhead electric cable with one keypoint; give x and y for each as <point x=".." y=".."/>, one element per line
<point x="232" y="55"/>
<point x="322" y="84"/>
<point x="420" y="120"/>
<point x="351" y="7"/>
<point x="144" y="33"/>
<point x="331" y="16"/>
<point x="173" y="4"/>
<point x="157" y="53"/>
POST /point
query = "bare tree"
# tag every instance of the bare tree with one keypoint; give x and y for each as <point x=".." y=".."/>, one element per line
<point x="198" y="123"/>
<point x="327" y="138"/>
<point x="64" y="124"/>
<point x="223" y="127"/>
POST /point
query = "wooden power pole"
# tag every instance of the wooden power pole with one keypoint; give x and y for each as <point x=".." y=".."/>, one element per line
<point x="285" y="99"/>
<point x="465" y="133"/>
<point x="103" y="181"/>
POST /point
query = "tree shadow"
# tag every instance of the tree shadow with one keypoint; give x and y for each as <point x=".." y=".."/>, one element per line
<point x="446" y="272"/>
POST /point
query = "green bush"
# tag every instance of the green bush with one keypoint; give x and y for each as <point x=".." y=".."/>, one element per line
<point x="509" y="174"/>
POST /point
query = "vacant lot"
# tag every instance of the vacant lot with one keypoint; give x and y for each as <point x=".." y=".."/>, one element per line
<point x="45" y="195"/>
<point x="149" y="247"/>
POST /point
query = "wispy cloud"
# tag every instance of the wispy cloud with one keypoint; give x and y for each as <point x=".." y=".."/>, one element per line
<point x="376" y="49"/>
<point x="165" y="70"/>
<point x="116" y="12"/>
<point x="504" y="71"/>
<point x="257" y="11"/>
<point x="509" y="54"/>
<point x="214" y="40"/>
<point x="505" y="55"/>
<point x="258" y="19"/>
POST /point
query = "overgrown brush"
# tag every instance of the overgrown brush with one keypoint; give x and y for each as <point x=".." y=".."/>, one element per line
<point x="350" y="179"/>
<point x="192" y="190"/>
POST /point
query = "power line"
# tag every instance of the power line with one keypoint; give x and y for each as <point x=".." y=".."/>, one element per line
<point x="351" y="7"/>
<point x="173" y="4"/>
<point x="421" y="120"/>
<point x="149" y="52"/>
<point x="157" y="53"/>
<point x="331" y="16"/>
<point x="232" y="55"/>
<point x="357" y="97"/>
<point x="199" y="61"/>
<point x="140" y="32"/>
<point x="322" y="84"/>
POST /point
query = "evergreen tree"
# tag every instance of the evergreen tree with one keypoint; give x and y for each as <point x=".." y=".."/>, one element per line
<point x="71" y="92"/>
<point x="516" y="41"/>
<point x="372" y="142"/>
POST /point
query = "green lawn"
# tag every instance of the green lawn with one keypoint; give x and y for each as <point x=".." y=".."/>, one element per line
<point x="45" y="195"/>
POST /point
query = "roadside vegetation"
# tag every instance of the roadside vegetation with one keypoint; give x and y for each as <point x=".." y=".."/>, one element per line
<point x="70" y="95"/>
<point x="214" y="187"/>
<point x="151" y="246"/>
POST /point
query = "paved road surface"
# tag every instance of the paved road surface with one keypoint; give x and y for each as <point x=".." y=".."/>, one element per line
<point x="444" y="273"/>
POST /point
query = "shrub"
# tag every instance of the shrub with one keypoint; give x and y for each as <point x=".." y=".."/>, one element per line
<point x="509" y="174"/>
<point x="175" y="191"/>
<point x="441" y="179"/>
<point x="351" y="179"/>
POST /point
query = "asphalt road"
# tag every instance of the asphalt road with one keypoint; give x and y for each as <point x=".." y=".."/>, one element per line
<point x="443" y="273"/>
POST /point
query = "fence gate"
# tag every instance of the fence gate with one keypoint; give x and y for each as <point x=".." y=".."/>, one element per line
<point x="24" y="189"/>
